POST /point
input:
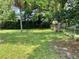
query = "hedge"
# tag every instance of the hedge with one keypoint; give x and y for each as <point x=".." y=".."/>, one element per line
<point x="26" y="24"/>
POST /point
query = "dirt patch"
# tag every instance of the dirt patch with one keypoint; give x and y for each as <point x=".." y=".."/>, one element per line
<point x="68" y="49"/>
<point x="72" y="46"/>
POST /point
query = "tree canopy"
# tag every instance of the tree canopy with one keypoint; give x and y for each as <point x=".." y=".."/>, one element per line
<point x="48" y="9"/>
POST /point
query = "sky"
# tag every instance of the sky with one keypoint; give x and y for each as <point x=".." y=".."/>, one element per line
<point x="16" y="10"/>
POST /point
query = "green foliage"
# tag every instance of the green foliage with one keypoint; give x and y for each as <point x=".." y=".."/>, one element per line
<point x="69" y="16"/>
<point x="46" y="6"/>
<point x="52" y="9"/>
<point x="73" y="14"/>
<point x="5" y="10"/>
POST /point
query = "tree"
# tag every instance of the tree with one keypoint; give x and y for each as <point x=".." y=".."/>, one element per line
<point x="58" y="16"/>
<point x="6" y="14"/>
<point x="5" y="10"/>
<point x="19" y="4"/>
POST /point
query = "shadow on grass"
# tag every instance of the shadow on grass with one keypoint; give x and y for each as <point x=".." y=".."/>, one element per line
<point x="40" y="39"/>
<point x="29" y="37"/>
<point x="45" y="52"/>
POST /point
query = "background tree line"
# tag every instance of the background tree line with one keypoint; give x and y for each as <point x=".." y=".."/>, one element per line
<point x="39" y="13"/>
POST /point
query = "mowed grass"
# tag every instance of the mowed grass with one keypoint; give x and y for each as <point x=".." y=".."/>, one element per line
<point x="30" y="44"/>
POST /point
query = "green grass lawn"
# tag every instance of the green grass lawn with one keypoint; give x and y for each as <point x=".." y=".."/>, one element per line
<point x="30" y="44"/>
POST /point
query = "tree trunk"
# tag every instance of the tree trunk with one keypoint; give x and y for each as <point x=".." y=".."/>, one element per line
<point x="57" y="27"/>
<point x="21" y="25"/>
